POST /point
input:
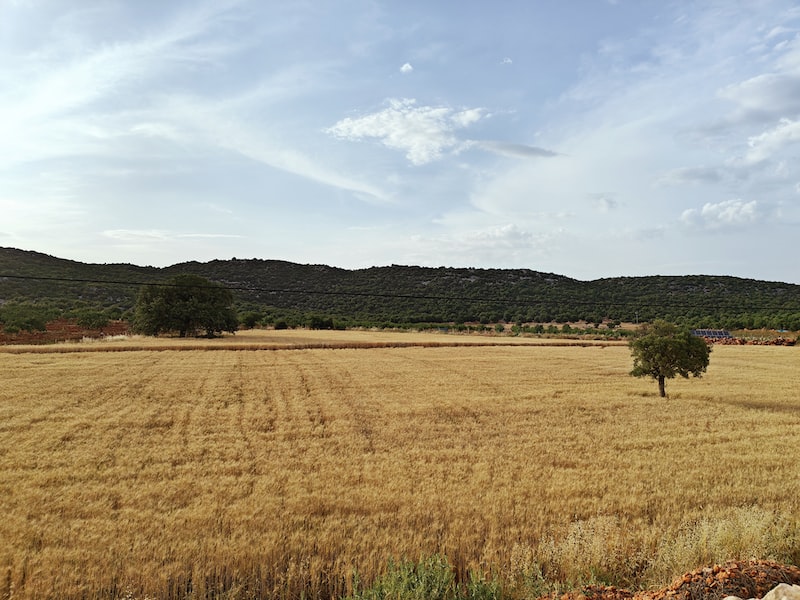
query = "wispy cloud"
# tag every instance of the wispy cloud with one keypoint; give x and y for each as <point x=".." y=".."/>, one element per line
<point x="209" y="235"/>
<point x="509" y="242"/>
<point x="406" y="68"/>
<point x="235" y="136"/>
<point x="48" y="106"/>
<point x="159" y="235"/>
<point x="690" y="175"/>
<point x="137" y="235"/>
<point x="85" y="106"/>
<point x="604" y="202"/>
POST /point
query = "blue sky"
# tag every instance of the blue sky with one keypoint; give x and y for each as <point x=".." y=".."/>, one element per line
<point x="589" y="138"/>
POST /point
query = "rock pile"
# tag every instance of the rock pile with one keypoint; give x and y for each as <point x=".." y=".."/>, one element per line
<point x="778" y="341"/>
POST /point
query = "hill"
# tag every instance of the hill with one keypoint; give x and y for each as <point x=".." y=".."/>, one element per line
<point x="409" y="294"/>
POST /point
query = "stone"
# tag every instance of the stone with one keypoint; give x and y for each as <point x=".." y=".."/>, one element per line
<point x="782" y="591"/>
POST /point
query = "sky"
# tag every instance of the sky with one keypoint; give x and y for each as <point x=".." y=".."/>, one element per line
<point x="587" y="138"/>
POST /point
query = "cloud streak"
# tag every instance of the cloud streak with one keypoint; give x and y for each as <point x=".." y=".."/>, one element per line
<point x="513" y="150"/>
<point x="690" y="175"/>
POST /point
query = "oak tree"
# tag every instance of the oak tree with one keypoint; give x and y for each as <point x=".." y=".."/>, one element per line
<point x="186" y="304"/>
<point x="662" y="350"/>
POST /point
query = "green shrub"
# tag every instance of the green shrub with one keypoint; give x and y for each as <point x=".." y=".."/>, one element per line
<point x="430" y="579"/>
<point x="26" y="317"/>
<point x="250" y="319"/>
<point x="92" y="319"/>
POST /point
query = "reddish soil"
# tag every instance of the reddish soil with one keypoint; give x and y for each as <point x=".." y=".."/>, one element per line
<point x="749" y="579"/>
<point x="62" y="330"/>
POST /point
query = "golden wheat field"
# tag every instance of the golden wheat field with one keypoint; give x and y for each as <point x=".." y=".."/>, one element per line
<point x="176" y="472"/>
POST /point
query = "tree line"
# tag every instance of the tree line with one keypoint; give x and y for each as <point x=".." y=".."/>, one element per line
<point x="279" y="293"/>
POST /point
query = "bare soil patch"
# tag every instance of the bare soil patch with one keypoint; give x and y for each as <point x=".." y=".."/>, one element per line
<point x="62" y="330"/>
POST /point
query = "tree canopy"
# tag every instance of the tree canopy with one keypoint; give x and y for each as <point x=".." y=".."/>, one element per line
<point x="186" y="304"/>
<point x="662" y="350"/>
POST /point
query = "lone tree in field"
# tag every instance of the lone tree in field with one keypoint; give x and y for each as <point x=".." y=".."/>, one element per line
<point x="185" y="304"/>
<point x="663" y="350"/>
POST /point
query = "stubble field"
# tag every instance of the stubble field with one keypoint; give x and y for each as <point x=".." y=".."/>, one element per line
<point x="187" y="472"/>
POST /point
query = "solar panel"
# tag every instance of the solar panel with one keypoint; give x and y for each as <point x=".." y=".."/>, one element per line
<point x="712" y="333"/>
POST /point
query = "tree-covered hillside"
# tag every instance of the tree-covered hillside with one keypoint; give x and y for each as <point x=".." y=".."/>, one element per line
<point x="396" y="294"/>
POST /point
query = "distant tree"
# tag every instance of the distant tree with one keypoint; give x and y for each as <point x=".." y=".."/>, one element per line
<point x="25" y="317"/>
<point x="92" y="319"/>
<point x="186" y="304"/>
<point x="662" y="350"/>
<point x="250" y="319"/>
<point x="320" y="322"/>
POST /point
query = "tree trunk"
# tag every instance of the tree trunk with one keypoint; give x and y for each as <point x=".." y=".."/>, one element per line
<point x="661" y="391"/>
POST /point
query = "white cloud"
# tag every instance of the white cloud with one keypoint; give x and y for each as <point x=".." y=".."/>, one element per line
<point x="768" y="94"/>
<point x="765" y="145"/>
<point x="774" y="91"/>
<point x="424" y="133"/>
<point x="726" y="214"/>
<point x="507" y="61"/>
<point x="406" y="68"/>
